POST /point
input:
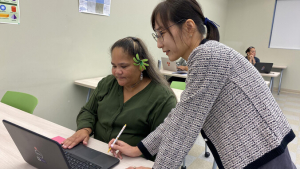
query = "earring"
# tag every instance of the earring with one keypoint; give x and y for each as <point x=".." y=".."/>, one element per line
<point x="141" y="77"/>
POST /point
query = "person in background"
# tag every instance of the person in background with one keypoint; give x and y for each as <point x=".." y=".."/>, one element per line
<point x="135" y="94"/>
<point x="181" y="66"/>
<point x="225" y="99"/>
<point x="251" y="55"/>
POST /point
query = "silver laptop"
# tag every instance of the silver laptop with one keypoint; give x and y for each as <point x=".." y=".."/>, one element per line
<point x="171" y="66"/>
<point x="42" y="152"/>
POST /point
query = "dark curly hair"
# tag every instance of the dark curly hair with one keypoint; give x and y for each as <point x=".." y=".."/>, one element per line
<point x="248" y="49"/>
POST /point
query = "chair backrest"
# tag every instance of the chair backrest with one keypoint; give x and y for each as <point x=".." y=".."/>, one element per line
<point x="22" y="101"/>
<point x="178" y="85"/>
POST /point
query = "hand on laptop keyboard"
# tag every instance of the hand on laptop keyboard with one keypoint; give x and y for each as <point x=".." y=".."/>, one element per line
<point x="81" y="135"/>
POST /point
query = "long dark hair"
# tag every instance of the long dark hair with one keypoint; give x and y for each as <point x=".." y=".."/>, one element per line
<point x="178" y="11"/>
<point x="133" y="46"/>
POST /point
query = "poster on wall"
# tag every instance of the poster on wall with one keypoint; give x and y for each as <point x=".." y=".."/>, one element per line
<point x="9" y="11"/>
<point x="99" y="7"/>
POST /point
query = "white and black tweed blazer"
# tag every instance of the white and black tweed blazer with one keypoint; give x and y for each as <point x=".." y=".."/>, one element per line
<point x="228" y="101"/>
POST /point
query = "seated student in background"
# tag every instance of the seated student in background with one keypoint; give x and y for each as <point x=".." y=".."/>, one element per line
<point x="134" y="94"/>
<point x="251" y="53"/>
<point x="181" y="65"/>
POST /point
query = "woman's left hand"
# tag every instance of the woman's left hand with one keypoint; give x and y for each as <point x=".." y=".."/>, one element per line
<point x="138" y="167"/>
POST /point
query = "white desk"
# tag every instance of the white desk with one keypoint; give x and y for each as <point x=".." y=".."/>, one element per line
<point x="89" y="83"/>
<point x="281" y="73"/>
<point x="93" y="82"/>
<point x="177" y="93"/>
<point x="12" y="159"/>
<point x="271" y="75"/>
<point x="170" y="73"/>
<point x="279" y="67"/>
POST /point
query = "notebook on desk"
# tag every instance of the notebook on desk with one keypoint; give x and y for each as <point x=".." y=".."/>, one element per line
<point x="42" y="152"/>
<point x="171" y="66"/>
<point x="264" y="67"/>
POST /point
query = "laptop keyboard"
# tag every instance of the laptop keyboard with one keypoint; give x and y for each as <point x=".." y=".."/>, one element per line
<point x="79" y="163"/>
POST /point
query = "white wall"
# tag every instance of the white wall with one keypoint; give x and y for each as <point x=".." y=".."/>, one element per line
<point x="216" y="10"/>
<point x="55" y="45"/>
<point x="249" y="23"/>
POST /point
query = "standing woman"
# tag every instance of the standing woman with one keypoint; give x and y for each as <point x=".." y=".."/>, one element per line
<point x="251" y="55"/>
<point x="225" y="99"/>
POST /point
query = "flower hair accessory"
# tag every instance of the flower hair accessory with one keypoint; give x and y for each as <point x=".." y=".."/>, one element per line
<point x="142" y="63"/>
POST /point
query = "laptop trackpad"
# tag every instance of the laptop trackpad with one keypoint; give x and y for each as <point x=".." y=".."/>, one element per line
<point x="84" y="152"/>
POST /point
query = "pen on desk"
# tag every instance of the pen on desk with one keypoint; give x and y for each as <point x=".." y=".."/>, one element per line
<point x="117" y="137"/>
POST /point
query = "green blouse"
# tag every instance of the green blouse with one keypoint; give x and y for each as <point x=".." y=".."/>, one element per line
<point x="106" y="114"/>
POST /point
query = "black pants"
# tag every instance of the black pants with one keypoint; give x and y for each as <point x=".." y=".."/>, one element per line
<point x="172" y="78"/>
<point x="283" y="161"/>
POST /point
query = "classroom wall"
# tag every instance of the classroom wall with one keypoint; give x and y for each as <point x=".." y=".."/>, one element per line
<point x="249" y="23"/>
<point x="55" y="45"/>
<point x="216" y="10"/>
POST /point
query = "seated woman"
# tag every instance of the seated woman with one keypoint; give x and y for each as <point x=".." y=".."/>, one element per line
<point x="181" y="65"/>
<point x="251" y="53"/>
<point x="135" y="94"/>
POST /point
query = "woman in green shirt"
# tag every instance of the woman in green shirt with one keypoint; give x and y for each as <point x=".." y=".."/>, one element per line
<point x="135" y="94"/>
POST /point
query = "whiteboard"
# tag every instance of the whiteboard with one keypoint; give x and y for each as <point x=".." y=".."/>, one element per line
<point x="285" y="32"/>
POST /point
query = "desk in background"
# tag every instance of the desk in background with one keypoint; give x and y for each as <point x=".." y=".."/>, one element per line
<point x="270" y="84"/>
<point x="11" y="157"/>
<point x="93" y="82"/>
<point x="89" y="83"/>
<point x="170" y="73"/>
<point x="271" y="75"/>
<point x="281" y="73"/>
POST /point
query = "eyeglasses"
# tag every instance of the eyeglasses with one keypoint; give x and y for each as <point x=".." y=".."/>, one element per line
<point x="158" y="33"/>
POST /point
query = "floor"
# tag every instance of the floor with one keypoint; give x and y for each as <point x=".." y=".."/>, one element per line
<point x="289" y="104"/>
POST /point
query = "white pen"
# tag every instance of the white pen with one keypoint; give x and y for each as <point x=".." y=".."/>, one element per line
<point x="117" y="137"/>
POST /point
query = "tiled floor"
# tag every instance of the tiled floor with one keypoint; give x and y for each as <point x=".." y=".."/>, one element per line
<point x="289" y="104"/>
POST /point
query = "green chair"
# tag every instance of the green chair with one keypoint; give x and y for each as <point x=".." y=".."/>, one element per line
<point x="22" y="101"/>
<point x="178" y="85"/>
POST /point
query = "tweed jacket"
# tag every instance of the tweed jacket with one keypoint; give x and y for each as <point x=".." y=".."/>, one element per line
<point x="228" y="101"/>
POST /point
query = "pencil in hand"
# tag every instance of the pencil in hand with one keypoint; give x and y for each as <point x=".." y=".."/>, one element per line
<point x="117" y="138"/>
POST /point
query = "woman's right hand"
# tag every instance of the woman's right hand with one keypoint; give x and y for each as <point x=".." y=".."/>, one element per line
<point x="81" y="135"/>
<point x="251" y="59"/>
<point x="123" y="148"/>
<point x="184" y="68"/>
